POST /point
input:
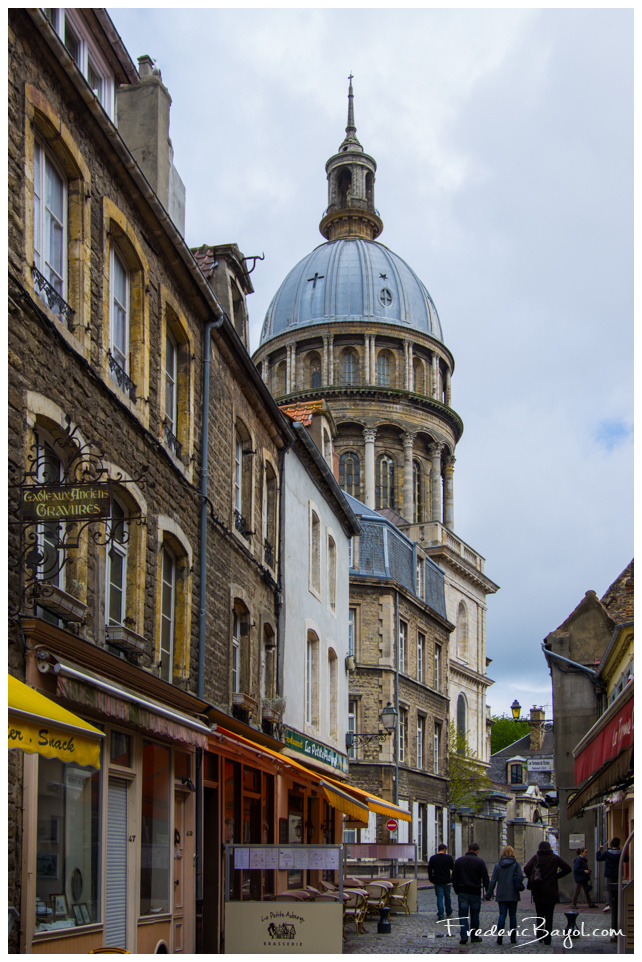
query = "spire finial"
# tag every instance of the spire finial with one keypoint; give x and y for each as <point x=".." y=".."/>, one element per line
<point x="351" y="127"/>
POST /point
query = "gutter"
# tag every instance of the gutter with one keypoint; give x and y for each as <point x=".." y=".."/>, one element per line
<point x="574" y="664"/>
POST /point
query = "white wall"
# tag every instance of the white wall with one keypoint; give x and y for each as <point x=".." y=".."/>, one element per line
<point x="303" y="610"/>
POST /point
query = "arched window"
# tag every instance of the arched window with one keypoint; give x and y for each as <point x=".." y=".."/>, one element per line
<point x="418" y="490"/>
<point x="344" y="186"/>
<point x="242" y="479"/>
<point x="385" y="482"/>
<point x="281" y="378"/>
<point x="383" y="370"/>
<point x="333" y="698"/>
<point x="349" y="368"/>
<point x="349" y="473"/>
<point x="462" y="729"/>
<point x="332" y="573"/>
<point x="462" y="631"/>
<point x="315" y="552"/>
<point x="167" y="614"/>
<point x="176" y="388"/>
<point x="269" y="516"/>
<point x="312" y="680"/>
<point x="418" y="376"/>
<point x="315" y="370"/>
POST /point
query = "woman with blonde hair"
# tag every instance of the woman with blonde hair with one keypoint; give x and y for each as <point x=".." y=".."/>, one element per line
<point x="509" y="879"/>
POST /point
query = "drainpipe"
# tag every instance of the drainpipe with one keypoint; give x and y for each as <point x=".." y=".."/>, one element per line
<point x="209" y="327"/>
<point x="396" y="799"/>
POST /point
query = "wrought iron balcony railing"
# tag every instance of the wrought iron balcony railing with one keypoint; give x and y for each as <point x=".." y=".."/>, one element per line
<point x="241" y="524"/>
<point x="54" y="300"/>
<point x="172" y="441"/>
<point x="268" y="551"/>
<point x="122" y="380"/>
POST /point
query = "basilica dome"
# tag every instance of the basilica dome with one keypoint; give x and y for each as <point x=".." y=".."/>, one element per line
<point x="351" y="279"/>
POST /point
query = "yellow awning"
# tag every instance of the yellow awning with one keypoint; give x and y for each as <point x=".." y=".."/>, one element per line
<point x="345" y="803"/>
<point x="38" y="724"/>
<point x="376" y="804"/>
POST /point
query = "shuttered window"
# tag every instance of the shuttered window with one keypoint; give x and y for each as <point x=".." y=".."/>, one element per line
<point x="116" y="865"/>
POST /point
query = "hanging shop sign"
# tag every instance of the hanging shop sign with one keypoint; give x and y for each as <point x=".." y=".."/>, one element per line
<point x="66" y="502"/>
<point x="315" y="750"/>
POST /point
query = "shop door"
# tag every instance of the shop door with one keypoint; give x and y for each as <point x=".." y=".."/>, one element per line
<point x="116" y="864"/>
<point x="182" y="876"/>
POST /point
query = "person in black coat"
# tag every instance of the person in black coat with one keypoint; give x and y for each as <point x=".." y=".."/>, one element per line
<point x="440" y="869"/>
<point x="470" y="878"/>
<point x="508" y="877"/>
<point x="611" y="858"/>
<point x="545" y="890"/>
<point x="582" y="876"/>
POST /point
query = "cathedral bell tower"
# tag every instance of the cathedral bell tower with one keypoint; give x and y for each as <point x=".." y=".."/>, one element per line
<point x="351" y="176"/>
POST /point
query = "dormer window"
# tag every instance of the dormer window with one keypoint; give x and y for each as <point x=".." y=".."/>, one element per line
<point x="77" y="39"/>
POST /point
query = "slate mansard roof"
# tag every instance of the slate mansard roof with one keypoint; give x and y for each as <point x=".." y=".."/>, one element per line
<point x="387" y="554"/>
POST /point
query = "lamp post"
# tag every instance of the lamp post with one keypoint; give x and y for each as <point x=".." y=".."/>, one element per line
<point x="516" y="709"/>
<point x="388" y="718"/>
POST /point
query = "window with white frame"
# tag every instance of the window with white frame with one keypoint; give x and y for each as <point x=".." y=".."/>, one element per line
<point x="269" y="515"/>
<point x="242" y="479"/>
<point x="352" y="725"/>
<point x="403" y="734"/>
<point x="49" y="533"/>
<point x="171" y="383"/>
<point x="421" y="732"/>
<point x="312" y="680"/>
<point x="167" y="615"/>
<point x="119" y="311"/>
<point x="333" y="693"/>
<point x="50" y="238"/>
<point x="403" y="633"/>
<point x="436" y="752"/>
<point x="352" y="625"/>
<point x="419" y="580"/>
<point x="385" y="482"/>
<point x="116" y="593"/>
<point x="437" y="685"/>
<point x="236" y="651"/>
<point x="74" y="34"/>
<point x="421" y="655"/>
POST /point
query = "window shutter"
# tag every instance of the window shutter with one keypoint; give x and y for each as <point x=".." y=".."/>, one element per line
<point x="116" y="867"/>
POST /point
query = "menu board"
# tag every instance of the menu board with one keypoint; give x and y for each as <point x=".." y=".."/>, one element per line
<point x="286" y="858"/>
<point x="241" y="858"/>
<point x="307" y="857"/>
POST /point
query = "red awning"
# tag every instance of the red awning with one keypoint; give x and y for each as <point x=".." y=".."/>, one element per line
<point x="609" y="741"/>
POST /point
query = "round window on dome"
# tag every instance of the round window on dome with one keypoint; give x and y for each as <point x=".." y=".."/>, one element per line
<point x="385" y="296"/>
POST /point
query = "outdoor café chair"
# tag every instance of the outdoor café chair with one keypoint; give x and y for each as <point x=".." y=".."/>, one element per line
<point x="398" y="897"/>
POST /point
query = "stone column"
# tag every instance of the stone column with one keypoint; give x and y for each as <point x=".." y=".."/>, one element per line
<point x="330" y="377"/>
<point x="373" y="360"/>
<point x="411" y="371"/>
<point x="435" y="481"/>
<point x="449" y="502"/>
<point x="370" y="435"/>
<point x="324" y="360"/>
<point x="448" y="389"/>
<point x="435" y="376"/>
<point x="265" y="370"/>
<point x="408" y="492"/>
<point x="366" y="359"/>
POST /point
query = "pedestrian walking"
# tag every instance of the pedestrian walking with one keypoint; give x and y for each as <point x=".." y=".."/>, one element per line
<point x="509" y="879"/>
<point x="543" y="871"/>
<point x="611" y="858"/>
<point x="440" y="868"/>
<point x="582" y="876"/>
<point x="469" y="880"/>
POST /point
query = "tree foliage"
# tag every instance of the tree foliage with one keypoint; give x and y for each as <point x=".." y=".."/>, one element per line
<point x="505" y="731"/>
<point x="467" y="776"/>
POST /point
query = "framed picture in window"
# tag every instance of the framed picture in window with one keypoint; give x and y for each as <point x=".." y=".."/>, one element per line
<point x="76" y="909"/>
<point x="47" y="866"/>
<point x="59" y="906"/>
<point x="85" y="913"/>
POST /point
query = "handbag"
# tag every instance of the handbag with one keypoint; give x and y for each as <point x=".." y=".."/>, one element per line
<point x="535" y="877"/>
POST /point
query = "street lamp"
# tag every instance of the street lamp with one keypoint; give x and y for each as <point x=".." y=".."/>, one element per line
<point x="516" y="709"/>
<point x="389" y="721"/>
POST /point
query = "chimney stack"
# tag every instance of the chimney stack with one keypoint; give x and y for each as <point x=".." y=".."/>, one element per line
<point x="537" y="728"/>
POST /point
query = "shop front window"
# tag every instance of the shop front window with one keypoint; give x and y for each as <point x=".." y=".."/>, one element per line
<point x="67" y="851"/>
<point x="155" y="847"/>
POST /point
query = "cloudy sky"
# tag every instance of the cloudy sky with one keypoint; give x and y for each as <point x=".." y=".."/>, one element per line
<point x="503" y="140"/>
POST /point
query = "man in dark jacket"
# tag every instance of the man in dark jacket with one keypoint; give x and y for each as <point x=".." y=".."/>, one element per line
<point x="611" y="858"/>
<point x="440" y="868"/>
<point x="470" y="880"/>
<point x="543" y="871"/>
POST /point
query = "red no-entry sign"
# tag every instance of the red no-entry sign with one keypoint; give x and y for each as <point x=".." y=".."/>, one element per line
<point x="391" y="825"/>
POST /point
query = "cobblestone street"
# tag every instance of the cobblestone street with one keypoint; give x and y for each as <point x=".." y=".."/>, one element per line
<point x="420" y="933"/>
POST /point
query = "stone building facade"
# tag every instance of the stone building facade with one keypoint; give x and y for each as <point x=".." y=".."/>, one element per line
<point x="159" y="614"/>
<point x="353" y="324"/>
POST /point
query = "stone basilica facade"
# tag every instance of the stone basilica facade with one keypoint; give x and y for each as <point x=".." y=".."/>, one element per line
<point x="353" y="324"/>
